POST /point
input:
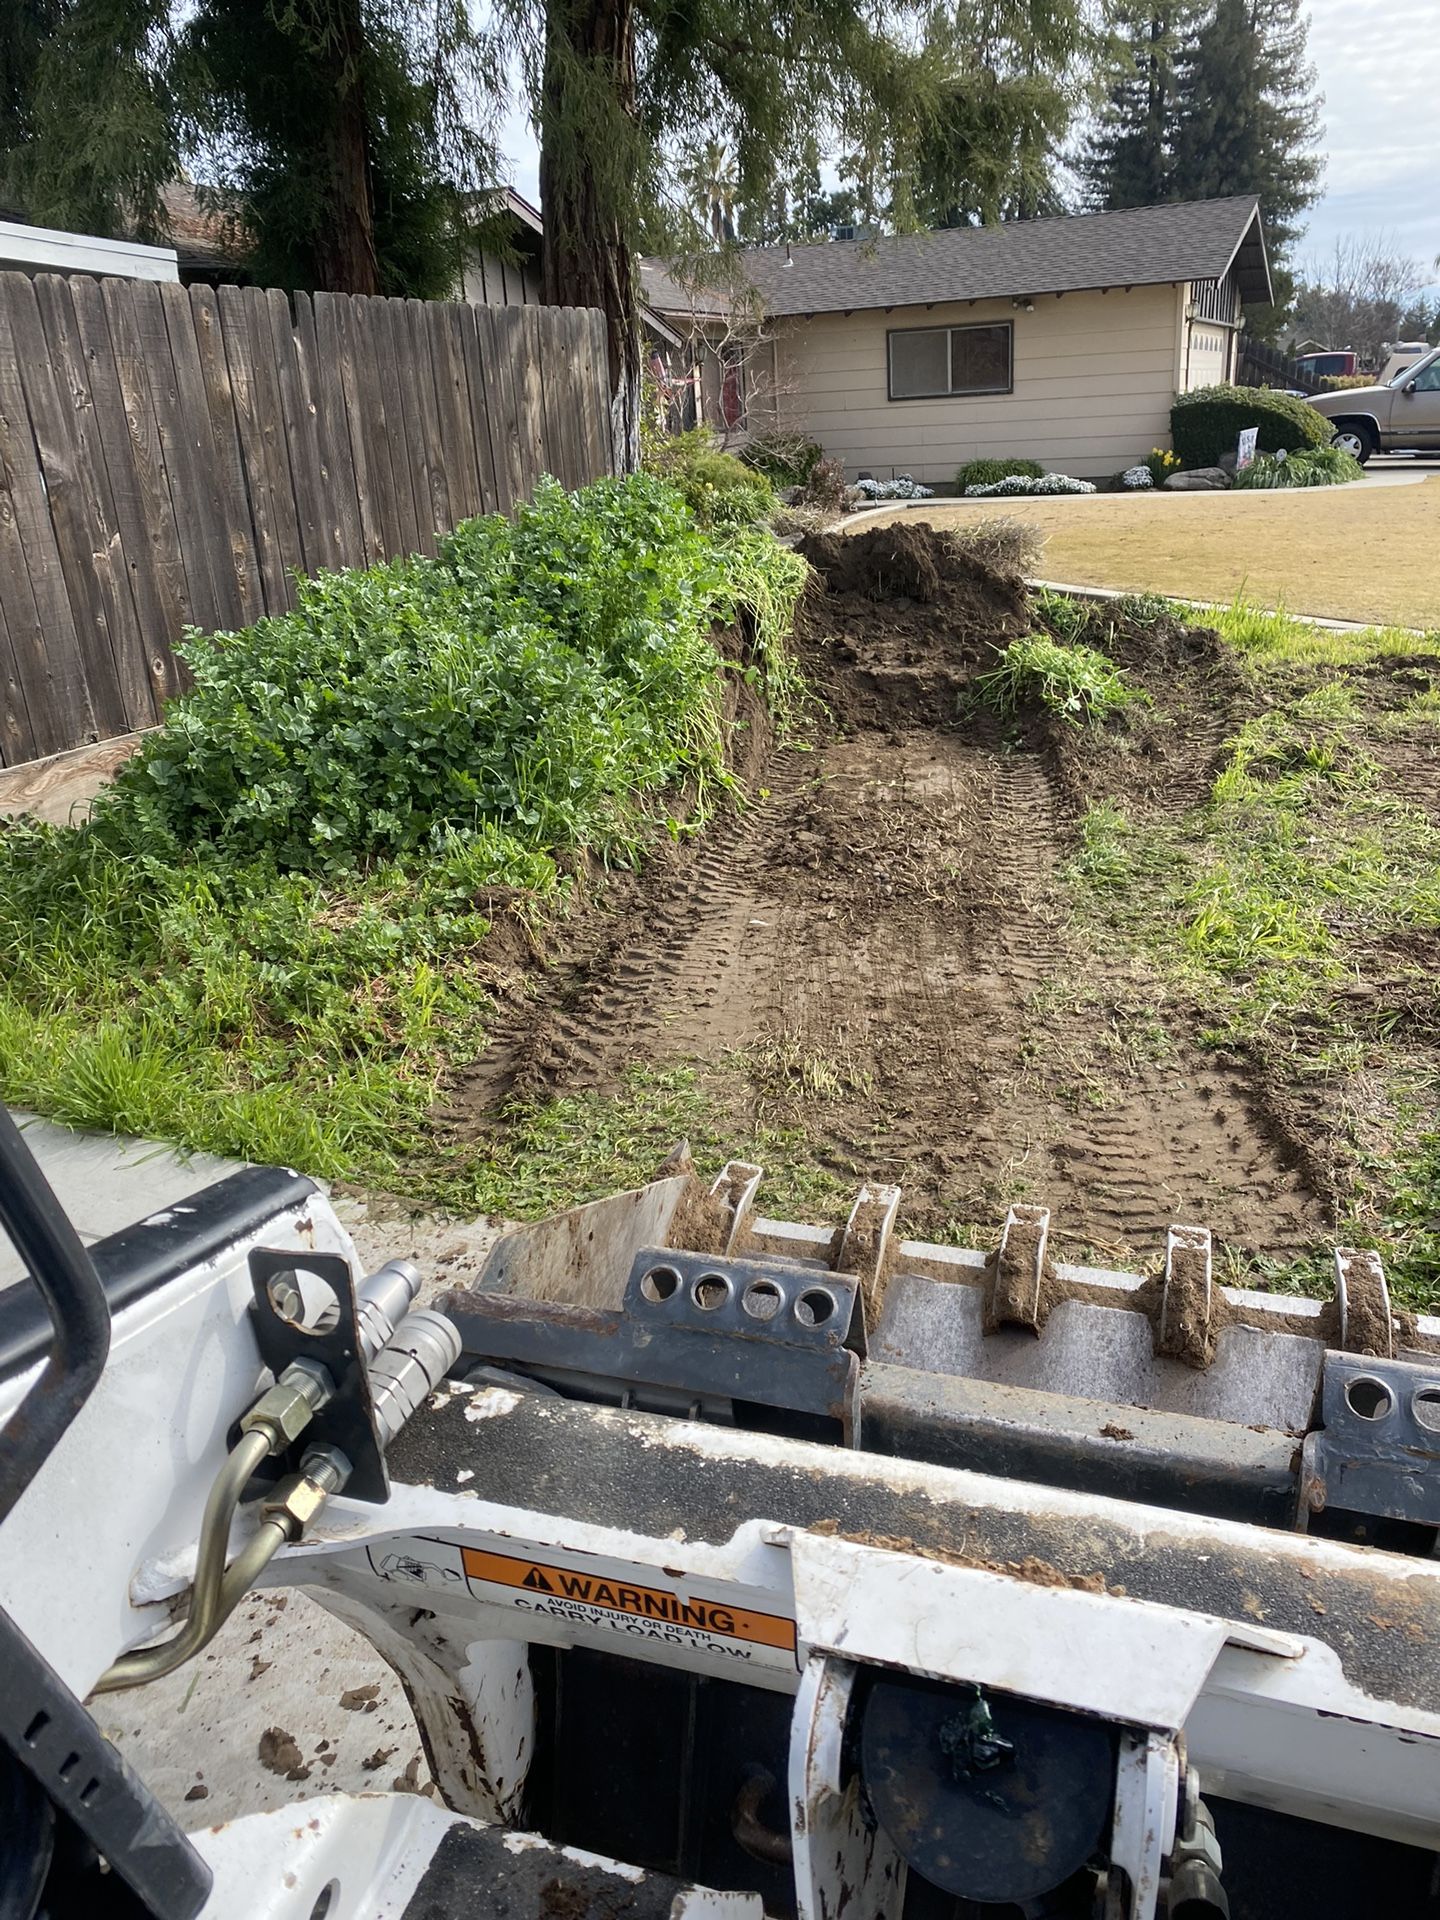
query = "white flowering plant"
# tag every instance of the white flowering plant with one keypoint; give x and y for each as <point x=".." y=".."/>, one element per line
<point x="1015" y="484"/>
<point x="1138" y="477"/>
<point x="903" y="487"/>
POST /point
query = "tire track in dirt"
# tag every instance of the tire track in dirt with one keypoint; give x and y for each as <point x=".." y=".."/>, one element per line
<point x="937" y="1008"/>
<point x="658" y="985"/>
<point x="882" y="938"/>
<point x="1173" y="1142"/>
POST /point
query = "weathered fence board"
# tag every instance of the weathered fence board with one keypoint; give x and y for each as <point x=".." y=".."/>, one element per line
<point x="174" y="456"/>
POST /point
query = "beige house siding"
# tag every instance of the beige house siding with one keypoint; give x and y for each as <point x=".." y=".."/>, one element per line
<point x="1094" y="376"/>
<point x="492" y="282"/>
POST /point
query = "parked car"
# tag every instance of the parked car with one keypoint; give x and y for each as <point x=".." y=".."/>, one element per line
<point x="1402" y="355"/>
<point x="1335" y="364"/>
<point x="1402" y="416"/>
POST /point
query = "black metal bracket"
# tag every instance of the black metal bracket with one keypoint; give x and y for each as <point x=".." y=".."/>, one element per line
<point x="347" y="1420"/>
<point x="764" y="1300"/>
<point x="694" y="1327"/>
<point x="1377" y="1450"/>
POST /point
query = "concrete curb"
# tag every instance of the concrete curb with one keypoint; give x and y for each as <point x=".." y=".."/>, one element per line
<point x="1219" y="606"/>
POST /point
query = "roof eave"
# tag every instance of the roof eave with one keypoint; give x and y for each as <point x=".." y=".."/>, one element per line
<point x="1251" y="262"/>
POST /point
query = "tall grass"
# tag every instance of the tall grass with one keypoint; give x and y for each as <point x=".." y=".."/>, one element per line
<point x="1075" y="683"/>
<point x="1275" y="635"/>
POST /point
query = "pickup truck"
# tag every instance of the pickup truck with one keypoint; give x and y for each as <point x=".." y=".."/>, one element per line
<point x="1402" y="416"/>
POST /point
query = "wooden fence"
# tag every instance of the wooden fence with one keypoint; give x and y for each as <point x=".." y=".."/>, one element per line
<point x="1261" y="366"/>
<point x="169" y="455"/>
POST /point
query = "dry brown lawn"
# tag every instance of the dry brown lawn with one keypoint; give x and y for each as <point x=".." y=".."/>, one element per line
<point x="1340" y="553"/>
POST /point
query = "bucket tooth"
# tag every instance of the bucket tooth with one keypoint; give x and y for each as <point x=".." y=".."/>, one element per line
<point x="1015" y="1294"/>
<point x="1362" y="1295"/>
<point x="865" y="1247"/>
<point x="736" y="1186"/>
<point x="1188" y="1329"/>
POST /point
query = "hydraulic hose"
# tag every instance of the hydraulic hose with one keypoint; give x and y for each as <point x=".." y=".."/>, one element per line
<point x="150" y="1663"/>
<point x="409" y="1365"/>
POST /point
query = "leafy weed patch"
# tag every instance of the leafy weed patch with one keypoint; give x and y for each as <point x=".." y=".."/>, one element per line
<point x="271" y="936"/>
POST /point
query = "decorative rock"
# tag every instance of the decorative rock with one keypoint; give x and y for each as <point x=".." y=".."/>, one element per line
<point x="1202" y="480"/>
<point x="1228" y="462"/>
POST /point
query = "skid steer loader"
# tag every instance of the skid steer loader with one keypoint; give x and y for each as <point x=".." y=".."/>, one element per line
<point x="798" y="1571"/>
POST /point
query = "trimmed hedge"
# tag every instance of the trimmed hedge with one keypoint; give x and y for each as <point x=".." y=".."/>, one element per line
<point x="1208" y="422"/>
<point x="984" y="473"/>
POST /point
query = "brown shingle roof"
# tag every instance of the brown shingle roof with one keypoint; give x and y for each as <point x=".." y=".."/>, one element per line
<point x="203" y="237"/>
<point x="1141" y="246"/>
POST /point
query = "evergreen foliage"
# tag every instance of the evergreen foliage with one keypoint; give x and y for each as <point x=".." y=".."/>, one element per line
<point x="344" y="137"/>
<point x="1127" y="161"/>
<point x="89" y="132"/>
<point x="1208" y="98"/>
<point x="1247" y="115"/>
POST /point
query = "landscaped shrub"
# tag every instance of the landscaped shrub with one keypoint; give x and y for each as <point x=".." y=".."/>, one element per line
<point x="827" y="489"/>
<point x="1138" y="479"/>
<point x="902" y="487"/>
<point x="1310" y="467"/>
<point x="719" y="489"/>
<point x="984" y="473"/>
<point x="1208" y="422"/>
<point x="1017" y="487"/>
<point x="784" y="459"/>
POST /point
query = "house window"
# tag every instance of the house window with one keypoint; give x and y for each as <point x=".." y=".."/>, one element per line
<point x="927" y="363"/>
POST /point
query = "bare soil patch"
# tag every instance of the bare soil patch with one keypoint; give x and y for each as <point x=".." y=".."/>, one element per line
<point x="878" y="939"/>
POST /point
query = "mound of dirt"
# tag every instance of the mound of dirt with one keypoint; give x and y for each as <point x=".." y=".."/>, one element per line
<point x="892" y="563"/>
<point x="898" y="621"/>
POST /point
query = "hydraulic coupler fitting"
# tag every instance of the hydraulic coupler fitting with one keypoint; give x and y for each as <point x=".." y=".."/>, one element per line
<point x="297" y="1499"/>
<point x="382" y="1301"/>
<point x="409" y="1367"/>
<point x="283" y="1411"/>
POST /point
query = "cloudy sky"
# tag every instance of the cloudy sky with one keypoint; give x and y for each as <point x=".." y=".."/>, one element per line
<point x="1380" y="74"/>
<point x="1379" y="68"/>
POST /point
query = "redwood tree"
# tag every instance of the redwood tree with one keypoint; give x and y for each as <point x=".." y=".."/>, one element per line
<point x="348" y="138"/>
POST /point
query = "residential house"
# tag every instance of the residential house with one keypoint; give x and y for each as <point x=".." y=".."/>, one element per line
<point x="1061" y="340"/>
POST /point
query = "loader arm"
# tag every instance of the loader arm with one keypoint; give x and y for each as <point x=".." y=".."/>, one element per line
<point x="800" y="1568"/>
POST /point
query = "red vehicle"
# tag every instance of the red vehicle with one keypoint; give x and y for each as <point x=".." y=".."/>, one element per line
<point x="1325" y="364"/>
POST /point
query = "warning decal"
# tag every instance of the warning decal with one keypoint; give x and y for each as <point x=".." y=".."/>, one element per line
<point x="608" y="1599"/>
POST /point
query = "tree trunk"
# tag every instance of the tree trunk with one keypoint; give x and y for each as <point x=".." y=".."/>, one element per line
<point x="588" y="262"/>
<point x="345" y="257"/>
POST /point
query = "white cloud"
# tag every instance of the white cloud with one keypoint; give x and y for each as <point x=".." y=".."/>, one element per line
<point x="1380" y="74"/>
